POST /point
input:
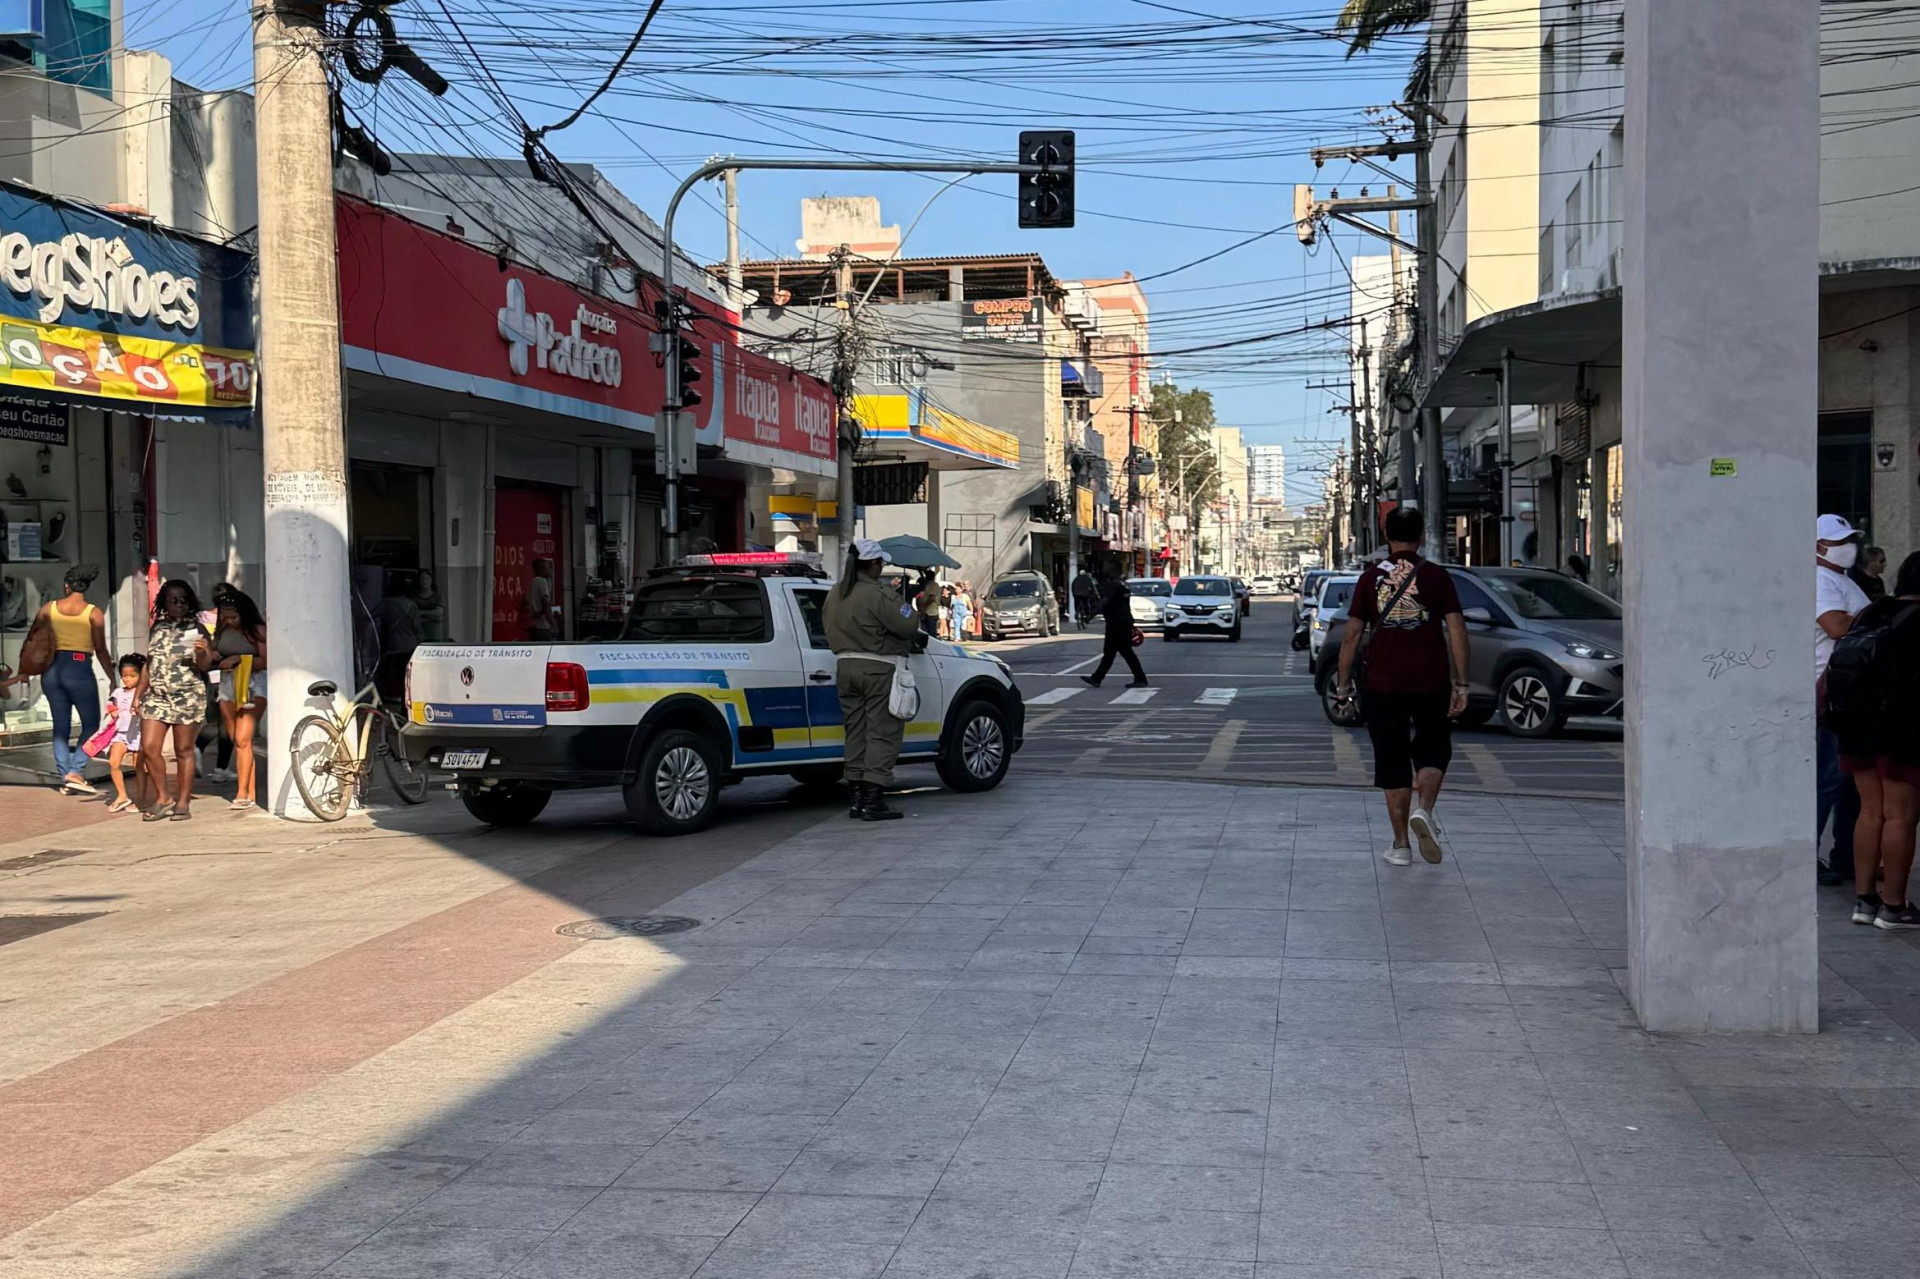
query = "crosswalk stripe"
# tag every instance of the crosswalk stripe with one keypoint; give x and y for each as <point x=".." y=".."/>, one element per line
<point x="1134" y="697"/>
<point x="1054" y="696"/>
<point x="1216" y="697"/>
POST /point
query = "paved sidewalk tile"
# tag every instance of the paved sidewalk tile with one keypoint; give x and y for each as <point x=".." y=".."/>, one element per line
<point x="1026" y="1035"/>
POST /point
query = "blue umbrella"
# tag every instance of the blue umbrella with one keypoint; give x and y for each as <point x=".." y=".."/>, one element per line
<point x="909" y="551"/>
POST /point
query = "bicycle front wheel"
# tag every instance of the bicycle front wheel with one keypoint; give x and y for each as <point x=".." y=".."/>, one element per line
<point x="323" y="767"/>
<point x="409" y="779"/>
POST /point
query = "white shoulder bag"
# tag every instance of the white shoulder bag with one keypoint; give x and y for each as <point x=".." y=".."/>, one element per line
<point x="903" y="698"/>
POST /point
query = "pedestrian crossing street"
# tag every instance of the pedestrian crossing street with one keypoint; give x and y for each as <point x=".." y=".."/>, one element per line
<point x="1218" y="697"/>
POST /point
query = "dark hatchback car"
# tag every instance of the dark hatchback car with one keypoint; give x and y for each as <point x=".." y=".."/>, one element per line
<point x="1543" y="646"/>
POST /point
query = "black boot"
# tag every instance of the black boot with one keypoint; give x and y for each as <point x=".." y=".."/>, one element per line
<point x="877" y="809"/>
<point x="858" y="807"/>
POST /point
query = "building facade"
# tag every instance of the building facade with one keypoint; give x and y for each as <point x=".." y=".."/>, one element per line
<point x="1267" y="472"/>
<point x="992" y="350"/>
<point x="500" y="389"/>
<point x="1564" y="340"/>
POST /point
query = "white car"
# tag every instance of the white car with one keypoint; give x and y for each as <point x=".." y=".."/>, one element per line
<point x="723" y="671"/>
<point x="1266" y="585"/>
<point x="1331" y="605"/>
<point x="1201" y="604"/>
<point x="1147" y="599"/>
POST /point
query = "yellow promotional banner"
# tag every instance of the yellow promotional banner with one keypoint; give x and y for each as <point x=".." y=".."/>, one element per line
<point x="963" y="435"/>
<point x="1083" y="508"/>
<point x="151" y="372"/>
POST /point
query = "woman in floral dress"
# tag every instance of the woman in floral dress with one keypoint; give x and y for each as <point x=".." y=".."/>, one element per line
<point x="172" y="696"/>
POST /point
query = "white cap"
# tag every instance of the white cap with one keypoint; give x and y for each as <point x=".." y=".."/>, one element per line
<point x="1832" y="528"/>
<point x="865" y="548"/>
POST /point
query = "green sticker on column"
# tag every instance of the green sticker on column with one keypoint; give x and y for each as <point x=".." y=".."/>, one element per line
<point x="1723" y="466"/>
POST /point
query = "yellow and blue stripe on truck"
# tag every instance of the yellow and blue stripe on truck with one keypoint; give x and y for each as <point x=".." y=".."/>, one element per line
<point x="804" y="721"/>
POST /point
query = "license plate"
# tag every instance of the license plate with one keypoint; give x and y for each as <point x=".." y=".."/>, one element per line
<point x="463" y="759"/>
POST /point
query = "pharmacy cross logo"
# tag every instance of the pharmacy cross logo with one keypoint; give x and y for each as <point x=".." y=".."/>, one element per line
<point x="518" y="326"/>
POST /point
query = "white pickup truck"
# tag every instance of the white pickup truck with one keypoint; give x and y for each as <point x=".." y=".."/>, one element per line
<point x="722" y="672"/>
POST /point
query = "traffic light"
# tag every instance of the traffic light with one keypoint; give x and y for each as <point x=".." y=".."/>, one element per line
<point x="1046" y="197"/>
<point x="686" y="352"/>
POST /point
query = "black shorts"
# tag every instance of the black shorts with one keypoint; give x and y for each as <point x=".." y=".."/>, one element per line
<point x="1410" y="731"/>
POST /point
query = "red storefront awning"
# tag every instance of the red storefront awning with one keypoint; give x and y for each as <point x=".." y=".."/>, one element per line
<point x="425" y="307"/>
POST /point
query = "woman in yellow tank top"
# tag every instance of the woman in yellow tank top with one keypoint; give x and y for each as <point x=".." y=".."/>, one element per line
<point x="79" y="637"/>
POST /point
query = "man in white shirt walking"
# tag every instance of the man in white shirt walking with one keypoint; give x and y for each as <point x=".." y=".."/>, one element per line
<point x="1837" y="598"/>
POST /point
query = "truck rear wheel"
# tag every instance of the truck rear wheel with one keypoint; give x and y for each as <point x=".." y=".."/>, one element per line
<point x="505" y="805"/>
<point x="677" y="791"/>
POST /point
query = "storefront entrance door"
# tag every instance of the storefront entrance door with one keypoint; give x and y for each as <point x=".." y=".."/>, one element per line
<point x="529" y="564"/>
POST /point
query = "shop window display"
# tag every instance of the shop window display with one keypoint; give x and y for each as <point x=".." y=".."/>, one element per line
<point x="39" y="540"/>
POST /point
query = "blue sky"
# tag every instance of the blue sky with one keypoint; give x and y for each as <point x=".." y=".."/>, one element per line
<point x="1193" y="120"/>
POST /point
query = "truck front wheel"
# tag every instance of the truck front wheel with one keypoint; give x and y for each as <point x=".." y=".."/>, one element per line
<point x="978" y="748"/>
<point x="677" y="791"/>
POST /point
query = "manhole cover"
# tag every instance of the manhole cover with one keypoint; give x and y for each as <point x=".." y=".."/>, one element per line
<point x="616" y="926"/>
<point x="42" y="857"/>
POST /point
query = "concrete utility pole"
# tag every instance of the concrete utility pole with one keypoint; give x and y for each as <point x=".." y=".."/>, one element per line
<point x="1409" y="468"/>
<point x="1310" y="211"/>
<point x="303" y="437"/>
<point x="1433" y="460"/>
<point x="1720" y="395"/>
<point x="1372" y="438"/>
<point x="844" y="372"/>
<point x="732" y="178"/>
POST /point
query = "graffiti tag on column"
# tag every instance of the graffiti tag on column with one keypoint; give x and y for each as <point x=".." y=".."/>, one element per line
<point x="1727" y="659"/>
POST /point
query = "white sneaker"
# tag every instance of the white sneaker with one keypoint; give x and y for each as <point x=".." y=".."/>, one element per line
<point x="1425" y="827"/>
<point x="1398" y="856"/>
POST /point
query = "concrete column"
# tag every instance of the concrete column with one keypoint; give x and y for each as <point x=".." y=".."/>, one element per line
<point x="1721" y="337"/>
<point x="302" y="416"/>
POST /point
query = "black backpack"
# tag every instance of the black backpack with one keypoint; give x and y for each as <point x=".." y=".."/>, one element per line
<point x="1864" y="679"/>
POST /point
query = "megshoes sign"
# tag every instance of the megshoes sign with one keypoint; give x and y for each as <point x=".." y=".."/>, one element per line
<point x="103" y="310"/>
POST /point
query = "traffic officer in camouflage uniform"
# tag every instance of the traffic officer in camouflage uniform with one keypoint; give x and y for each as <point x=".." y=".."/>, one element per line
<point x="866" y="626"/>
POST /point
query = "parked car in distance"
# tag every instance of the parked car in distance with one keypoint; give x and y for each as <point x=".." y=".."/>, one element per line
<point x="1336" y="593"/>
<point x="1147" y="599"/>
<point x="1543" y="646"/>
<point x="1303" y="606"/>
<point x="1019" y="602"/>
<point x="1201" y="604"/>
<point x="1266" y="584"/>
<point x="1243" y="593"/>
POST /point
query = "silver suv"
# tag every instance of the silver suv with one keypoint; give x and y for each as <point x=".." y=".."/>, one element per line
<point x="1019" y="602"/>
<point x="1544" y="646"/>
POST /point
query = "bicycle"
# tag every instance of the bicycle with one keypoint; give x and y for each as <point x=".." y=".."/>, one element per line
<point x="331" y="761"/>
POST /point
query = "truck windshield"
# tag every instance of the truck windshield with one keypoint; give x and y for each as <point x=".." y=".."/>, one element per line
<point x="699" y="609"/>
<point x="1204" y="586"/>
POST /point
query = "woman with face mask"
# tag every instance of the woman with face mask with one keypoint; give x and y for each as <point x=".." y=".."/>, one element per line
<point x="172" y="696"/>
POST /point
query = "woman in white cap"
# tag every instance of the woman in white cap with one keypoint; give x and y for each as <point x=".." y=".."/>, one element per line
<point x="871" y="630"/>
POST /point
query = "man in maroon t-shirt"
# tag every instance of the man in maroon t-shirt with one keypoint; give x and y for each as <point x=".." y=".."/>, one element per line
<point x="1413" y="612"/>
